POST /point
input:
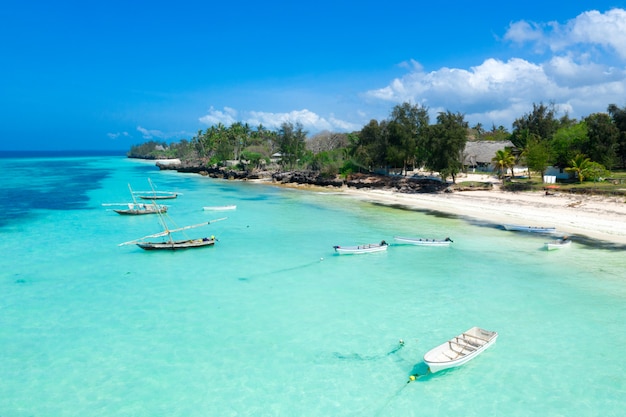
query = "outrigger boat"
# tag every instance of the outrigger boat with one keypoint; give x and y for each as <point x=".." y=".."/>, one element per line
<point x="168" y="243"/>
<point x="156" y="195"/>
<point x="136" y="208"/>
<point x="460" y="349"/>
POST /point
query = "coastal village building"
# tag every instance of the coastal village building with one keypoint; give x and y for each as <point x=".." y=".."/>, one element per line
<point x="479" y="154"/>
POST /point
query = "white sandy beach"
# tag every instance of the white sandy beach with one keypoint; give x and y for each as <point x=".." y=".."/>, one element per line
<point x="596" y="217"/>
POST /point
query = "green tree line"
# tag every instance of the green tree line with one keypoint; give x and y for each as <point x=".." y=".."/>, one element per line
<point x="407" y="139"/>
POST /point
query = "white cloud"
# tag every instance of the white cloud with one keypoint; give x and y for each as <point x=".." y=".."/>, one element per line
<point x="309" y="120"/>
<point x="214" y="117"/>
<point x="584" y="73"/>
<point x="589" y="29"/>
<point x="117" y="135"/>
<point x="151" y="133"/>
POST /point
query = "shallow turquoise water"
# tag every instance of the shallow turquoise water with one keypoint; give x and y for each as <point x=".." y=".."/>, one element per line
<point x="270" y="322"/>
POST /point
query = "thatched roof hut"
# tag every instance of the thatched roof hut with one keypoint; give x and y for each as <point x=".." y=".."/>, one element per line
<point x="480" y="153"/>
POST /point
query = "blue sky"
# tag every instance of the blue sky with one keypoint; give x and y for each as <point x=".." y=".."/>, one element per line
<point x="109" y="74"/>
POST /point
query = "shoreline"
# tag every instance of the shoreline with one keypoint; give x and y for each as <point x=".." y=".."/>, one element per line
<point x="594" y="217"/>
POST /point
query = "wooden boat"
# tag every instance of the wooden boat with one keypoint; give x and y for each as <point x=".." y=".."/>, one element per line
<point x="424" y="242"/>
<point x="564" y="242"/>
<point x="168" y="242"/>
<point x="156" y="195"/>
<point x="136" y="208"/>
<point x="460" y="349"/>
<point x="220" y="208"/>
<point x="531" y="229"/>
<point x="356" y="250"/>
<point x="140" y="208"/>
<point x="178" y="244"/>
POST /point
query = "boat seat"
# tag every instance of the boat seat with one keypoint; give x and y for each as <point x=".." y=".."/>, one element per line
<point x="475" y="337"/>
<point x="463" y="346"/>
<point x="450" y="357"/>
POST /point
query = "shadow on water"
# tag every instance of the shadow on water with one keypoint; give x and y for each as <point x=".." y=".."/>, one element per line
<point x="359" y="357"/>
<point x="585" y="241"/>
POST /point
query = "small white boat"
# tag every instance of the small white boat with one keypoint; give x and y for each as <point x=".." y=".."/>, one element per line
<point x="460" y="349"/>
<point x="531" y="229"/>
<point x="356" y="250"/>
<point x="424" y="242"/>
<point x="558" y="243"/>
<point x="220" y="208"/>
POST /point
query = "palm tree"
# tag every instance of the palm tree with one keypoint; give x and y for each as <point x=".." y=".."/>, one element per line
<point x="580" y="165"/>
<point x="503" y="160"/>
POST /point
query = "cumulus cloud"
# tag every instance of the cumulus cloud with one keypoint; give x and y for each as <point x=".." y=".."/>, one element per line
<point x="151" y="133"/>
<point x="579" y="75"/>
<point x="308" y="119"/>
<point x="589" y="29"/>
<point x="214" y="117"/>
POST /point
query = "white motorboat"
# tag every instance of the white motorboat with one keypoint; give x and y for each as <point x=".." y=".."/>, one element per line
<point x="367" y="248"/>
<point x="424" y="242"/>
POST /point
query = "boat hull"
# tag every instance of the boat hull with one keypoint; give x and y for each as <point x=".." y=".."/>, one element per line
<point x="220" y="208"/>
<point x="177" y="245"/>
<point x="460" y="349"/>
<point x="423" y="242"/>
<point x="530" y="229"/>
<point x="558" y="244"/>
<point x="361" y="249"/>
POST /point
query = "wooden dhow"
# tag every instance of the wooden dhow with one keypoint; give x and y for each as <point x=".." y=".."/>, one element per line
<point x="169" y="243"/>
<point x="156" y="195"/>
<point x="136" y="208"/>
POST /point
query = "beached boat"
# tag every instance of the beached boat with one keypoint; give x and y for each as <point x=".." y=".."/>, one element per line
<point x="531" y="229"/>
<point x="220" y="208"/>
<point x="168" y="242"/>
<point x="424" y="242"/>
<point x="136" y="208"/>
<point x="368" y="248"/>
<point x="558" y="243"/>
<point x="460" y="349"/>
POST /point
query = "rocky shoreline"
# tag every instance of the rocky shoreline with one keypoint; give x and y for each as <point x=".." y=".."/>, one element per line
<point x="357" y="181"/>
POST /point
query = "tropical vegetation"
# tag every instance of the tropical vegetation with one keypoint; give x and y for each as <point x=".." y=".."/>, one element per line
<point x="406" y="140"/>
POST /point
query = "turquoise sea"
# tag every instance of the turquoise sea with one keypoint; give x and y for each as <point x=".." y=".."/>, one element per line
<point x="270" y="321"/>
